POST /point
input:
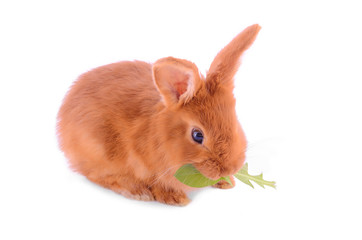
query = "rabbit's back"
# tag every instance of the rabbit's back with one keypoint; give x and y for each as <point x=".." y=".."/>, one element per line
<point x="124" y="88"/>
<point x="102" y="109"/>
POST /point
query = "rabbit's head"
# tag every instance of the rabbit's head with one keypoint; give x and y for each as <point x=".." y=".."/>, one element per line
<point x="201" y="124"/>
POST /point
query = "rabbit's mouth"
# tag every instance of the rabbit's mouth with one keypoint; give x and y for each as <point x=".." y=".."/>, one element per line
<point x="210" y="169"/>
<point x="214" y="169"/>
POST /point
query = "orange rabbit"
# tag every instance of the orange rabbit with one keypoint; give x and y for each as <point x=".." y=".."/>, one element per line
<point x="129" y="126"/>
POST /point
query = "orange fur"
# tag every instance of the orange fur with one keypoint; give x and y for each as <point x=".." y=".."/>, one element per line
<point x="127" y="125"/>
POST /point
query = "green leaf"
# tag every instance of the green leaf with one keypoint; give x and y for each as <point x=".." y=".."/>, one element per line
<point x="245" y="177"/>
<point x="189" y="175"/>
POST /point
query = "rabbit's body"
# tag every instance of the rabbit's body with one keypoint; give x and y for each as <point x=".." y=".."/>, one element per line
<point x="107" y="116"/>
<point x="129" y="126"/>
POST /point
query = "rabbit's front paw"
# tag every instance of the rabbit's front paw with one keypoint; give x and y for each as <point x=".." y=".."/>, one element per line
<point x="170" y="196"/>
<point x="224" y="184"/>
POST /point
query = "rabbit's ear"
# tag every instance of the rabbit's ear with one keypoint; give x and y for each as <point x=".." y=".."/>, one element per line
<point x="227" y="61"/>
<point x="177" y="80"/>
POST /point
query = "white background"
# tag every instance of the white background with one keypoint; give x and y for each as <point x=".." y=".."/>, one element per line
<point x="299" y="100"/>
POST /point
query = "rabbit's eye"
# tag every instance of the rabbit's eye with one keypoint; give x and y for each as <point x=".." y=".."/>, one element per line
<point x="197" y="135"/>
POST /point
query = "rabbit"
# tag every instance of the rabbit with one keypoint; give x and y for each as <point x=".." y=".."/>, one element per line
<point x="129" y="126"/>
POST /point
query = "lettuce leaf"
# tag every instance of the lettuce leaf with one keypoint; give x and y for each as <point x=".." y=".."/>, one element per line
<point x="245" y="177"/>
<point x="189" y="175"/>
